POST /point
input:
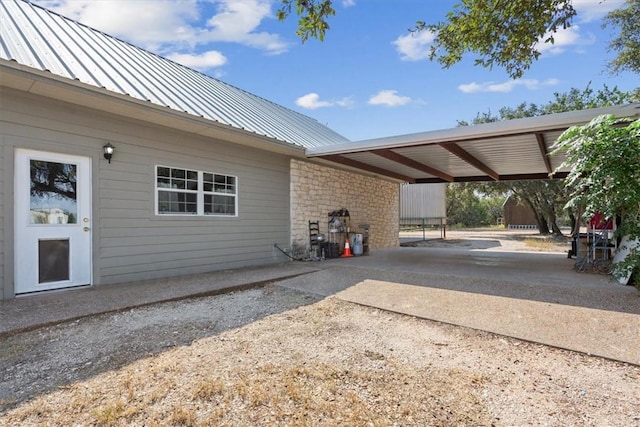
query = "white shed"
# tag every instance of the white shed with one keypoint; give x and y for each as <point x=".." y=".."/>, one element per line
<point x="423" y="204"/>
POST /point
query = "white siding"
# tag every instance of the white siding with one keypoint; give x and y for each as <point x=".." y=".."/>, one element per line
<point x="3" y="241"/>
<point x="130" y="241"/>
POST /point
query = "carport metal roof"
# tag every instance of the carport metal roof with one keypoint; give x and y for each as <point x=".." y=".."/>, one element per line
<point x="508" y="150"/>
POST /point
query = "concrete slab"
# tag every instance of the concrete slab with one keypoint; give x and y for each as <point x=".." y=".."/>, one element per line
<point x="531" y="296"/>
<point x="604" y="333"/>
<point x="542" y="268"/>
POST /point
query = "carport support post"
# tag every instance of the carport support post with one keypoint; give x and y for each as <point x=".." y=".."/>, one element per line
<point x="424" y="236"/>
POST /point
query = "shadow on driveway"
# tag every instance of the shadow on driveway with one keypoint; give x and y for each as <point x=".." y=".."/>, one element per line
<point x="535" y="276"/>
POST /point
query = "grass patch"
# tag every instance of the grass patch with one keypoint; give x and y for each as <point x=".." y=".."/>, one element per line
<point x="540" y="244"/>
<point x="545" y="243"/>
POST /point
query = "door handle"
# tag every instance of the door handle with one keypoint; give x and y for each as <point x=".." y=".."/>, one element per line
<point x="86" y="228"/>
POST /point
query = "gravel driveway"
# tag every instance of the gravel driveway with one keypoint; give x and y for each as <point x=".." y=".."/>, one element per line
<point x="277" y="355"/>
<point x="43" y="360"/>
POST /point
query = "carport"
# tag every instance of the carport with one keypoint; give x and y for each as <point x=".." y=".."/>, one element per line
<point x="501" y="151"/>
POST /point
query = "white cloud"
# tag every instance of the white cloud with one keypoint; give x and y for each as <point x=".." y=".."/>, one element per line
<point x="147" y="23"/>
<point x="574" y="36"/>
<point x="345" y="102"/>
<point x="311" y="101"/>
<point x="348" y="3"/>
<point x="414" y="46"/>
<point x="238" y="20"/>
<point x="202" y="61"/>
<point x="390" y="98"/>
<point x="508" y="86"/>
<point x="175" y="26"/>
<point x="564" y="39"/>
<point x="592" y="10"/>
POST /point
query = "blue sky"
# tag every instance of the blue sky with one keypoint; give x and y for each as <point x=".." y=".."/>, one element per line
<point x="370" y="78"/>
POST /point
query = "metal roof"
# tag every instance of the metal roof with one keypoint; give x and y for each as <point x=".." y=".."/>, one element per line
<point x="44" y="42"/>
<point x="507" y="150"/>
<point x="38" y="38"/>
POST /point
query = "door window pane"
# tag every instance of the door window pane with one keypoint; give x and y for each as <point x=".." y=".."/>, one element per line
<point x="53" y="260"/>
<point x="53" y="198"/>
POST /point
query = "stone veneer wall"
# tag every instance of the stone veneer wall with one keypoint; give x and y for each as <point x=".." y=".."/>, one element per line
<point x="317" y="190"/>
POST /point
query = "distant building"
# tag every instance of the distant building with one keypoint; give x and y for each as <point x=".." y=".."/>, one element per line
<point x="518" y="215"/>
<point x="423" y="204"/>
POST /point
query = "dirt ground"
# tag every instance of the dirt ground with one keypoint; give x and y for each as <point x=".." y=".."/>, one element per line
<point x="488" y="239"/>
<point x="275" y="356"/>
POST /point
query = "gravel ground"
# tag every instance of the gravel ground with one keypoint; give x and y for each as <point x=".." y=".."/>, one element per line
<point x="277" y="356"/>
<point x="491" y="240"/>
<point x="43" y="360"/>
<point x="228" y="361"/>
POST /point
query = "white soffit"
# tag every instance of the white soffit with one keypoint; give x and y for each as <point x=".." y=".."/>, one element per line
<point x="507" y="150"/>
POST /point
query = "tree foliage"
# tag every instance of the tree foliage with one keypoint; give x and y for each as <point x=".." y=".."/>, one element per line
<point x="466" y="208"/>
<point x="547" y="198"/>
<point x="502" y="33"/>
<point x="627" y="42"/>
<point x="572" y="100"/>
<point x="312" y="16"/>
<point x="605" y="177"/>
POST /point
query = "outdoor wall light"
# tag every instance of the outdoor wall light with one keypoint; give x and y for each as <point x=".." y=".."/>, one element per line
<point x="108" y="151"/>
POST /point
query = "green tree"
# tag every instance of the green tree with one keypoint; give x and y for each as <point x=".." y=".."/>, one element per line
<point x="312" y="16"/>
<point x="605" y="177"/>
<point x="627" y="43"/>
<point x="502" y="33"/>
<point x="465" y="207"/>
<point x="548" y="198"/>
<point x="493" y="206"/>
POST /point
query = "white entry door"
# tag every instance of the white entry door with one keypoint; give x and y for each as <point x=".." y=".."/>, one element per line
<point x="52" y="221"/>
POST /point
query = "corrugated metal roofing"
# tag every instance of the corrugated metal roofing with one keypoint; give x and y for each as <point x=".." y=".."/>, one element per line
<point x="516" y="149"/>
<point x="41" y="39"/>
<point x="423" y="202"/>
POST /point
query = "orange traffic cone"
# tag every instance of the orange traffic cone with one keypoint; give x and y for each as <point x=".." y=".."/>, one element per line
<point x="347" y="249"/>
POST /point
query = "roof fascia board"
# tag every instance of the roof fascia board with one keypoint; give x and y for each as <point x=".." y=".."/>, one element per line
<point x="343" y="167"/>
<point x="486" y="178"/>
<point x="43" y="83"/>
<point x="374" y="169"/>
<point x="546" y="123"/>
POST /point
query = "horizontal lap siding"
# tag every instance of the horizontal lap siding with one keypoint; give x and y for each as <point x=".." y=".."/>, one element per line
<point x="3" y="194"/>
<point x="131" y="242"/>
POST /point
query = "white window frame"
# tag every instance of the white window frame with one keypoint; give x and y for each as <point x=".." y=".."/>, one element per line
<point x="228" y="190"/>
